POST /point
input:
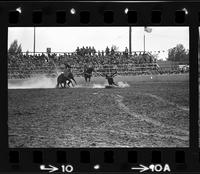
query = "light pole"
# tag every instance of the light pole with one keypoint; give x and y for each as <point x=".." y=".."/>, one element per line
<point x="144" y="42"/>
<point x="34" y="42"/>
<point x="130" y="32"/>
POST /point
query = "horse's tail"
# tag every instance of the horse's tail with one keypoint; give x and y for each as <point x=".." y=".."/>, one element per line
<point x="57" y="85"/>
<point x="58" y="81"/>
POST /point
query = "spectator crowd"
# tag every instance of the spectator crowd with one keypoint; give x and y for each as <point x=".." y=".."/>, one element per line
<point x="26" y="65"/>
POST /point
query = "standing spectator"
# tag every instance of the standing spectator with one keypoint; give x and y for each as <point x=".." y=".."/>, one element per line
<point x="102" y="53"/>
<point x="112" y="51"/>
<point x="150" y="59"/>
<point x="145" y="57"/>
<point x="90" y="50"/>
<point x="107" y="51"/>
<point x="93" y="51"/>
<point x="83" y="51"/>
<point x="99" y="53"/>
<point x="77" y="51"/>
<point x="126" y="52"/>
<point x="86" y="51"/>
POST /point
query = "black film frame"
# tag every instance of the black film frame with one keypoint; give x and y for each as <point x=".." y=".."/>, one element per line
<point x="117" y="160"/>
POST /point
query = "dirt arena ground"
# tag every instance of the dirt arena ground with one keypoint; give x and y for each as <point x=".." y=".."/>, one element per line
<point x="143" y="112"/>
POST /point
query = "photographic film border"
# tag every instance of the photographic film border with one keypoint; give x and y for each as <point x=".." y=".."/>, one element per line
<point x="116" y="160"/>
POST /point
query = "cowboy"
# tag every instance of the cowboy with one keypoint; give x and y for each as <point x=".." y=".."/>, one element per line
<point x="67" y="70"/>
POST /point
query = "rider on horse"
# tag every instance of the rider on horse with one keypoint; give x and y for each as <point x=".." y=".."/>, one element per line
<point x="67" y="70"/>
<point x="67" y="75"/>
<point x="87" y="72"/>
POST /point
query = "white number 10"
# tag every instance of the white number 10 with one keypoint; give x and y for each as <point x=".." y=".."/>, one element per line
<point x="68" y="168"/>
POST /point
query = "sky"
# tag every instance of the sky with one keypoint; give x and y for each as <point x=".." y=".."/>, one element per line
<point x="66" y="39"/>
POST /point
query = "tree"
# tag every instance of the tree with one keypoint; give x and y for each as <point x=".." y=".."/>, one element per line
<point x="14" y="48"/>
<point x="115" y="48"/>
<point x="178" y="54"/>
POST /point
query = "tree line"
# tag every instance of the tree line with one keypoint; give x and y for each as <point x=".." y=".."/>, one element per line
<point x="178" y="54"/>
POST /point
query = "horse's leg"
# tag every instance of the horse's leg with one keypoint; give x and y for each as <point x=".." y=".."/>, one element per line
<point x="74" y="80"/>
<point x="86" y="79"/>
<point x="72" y="83"/>
<point x="65" y="84"/>
<point x="115" y="84"/>
<point x="69" y="82"/>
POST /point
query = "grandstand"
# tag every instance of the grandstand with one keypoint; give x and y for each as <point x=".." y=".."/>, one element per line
<point x="26" y="65"/>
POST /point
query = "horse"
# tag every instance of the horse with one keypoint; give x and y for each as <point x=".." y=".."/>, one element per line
<point x="62" y="79"/>
<point x="88" y="73"/>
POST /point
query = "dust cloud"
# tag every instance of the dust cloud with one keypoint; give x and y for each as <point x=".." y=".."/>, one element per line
<point x="34" y="82"/>
<point x="43" y="81"/>
<point x="96" y="85"/>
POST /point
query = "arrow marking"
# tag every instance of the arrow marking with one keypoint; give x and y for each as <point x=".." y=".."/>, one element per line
<point x="51" y="169"/>
<point x="142" y="168"/>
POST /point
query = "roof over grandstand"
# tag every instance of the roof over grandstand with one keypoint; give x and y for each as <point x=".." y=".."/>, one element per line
<point x="67" y="39"/>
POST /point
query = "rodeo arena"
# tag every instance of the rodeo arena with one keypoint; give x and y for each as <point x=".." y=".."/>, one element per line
<point x="49" y="65"/>
<point x="91" y="98"/>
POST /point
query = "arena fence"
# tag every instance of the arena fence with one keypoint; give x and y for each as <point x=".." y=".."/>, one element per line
<point x="123" y="69"/>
